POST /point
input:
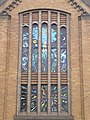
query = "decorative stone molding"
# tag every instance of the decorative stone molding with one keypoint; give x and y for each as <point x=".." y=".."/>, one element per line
<point x="77" y="6"/>
<point x="11" y="6"/>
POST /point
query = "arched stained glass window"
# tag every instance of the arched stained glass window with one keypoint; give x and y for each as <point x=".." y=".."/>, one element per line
<point x="63" y="57"/>
<point x="24" y="67"/>
<point x="25" y="42"/>
<point x="44" y="66"/>
<point x="53" y="48"/>
<point x="34" y="48"/>
<point x="44" y="47"/>
<point x="63" y="38"/>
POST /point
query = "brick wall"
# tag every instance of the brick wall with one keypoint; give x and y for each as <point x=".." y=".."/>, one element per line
<point x="4" y="42"/>
<point x="9" y="58"/>
<point x="86" y="64"/>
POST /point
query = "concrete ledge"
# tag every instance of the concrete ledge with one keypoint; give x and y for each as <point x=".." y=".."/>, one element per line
<point x="5" y="16"/>
<point x="84" y="17"/>
<point x="23" y="117"/>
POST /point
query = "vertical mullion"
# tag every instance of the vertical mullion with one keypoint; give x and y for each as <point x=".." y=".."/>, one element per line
<point x="19" y="71"/>
<point x="49" y="62"/>
<point x="59" y="78"/>
<point x="68" y="63"/>
<point x="29" y="63"/>
<point x="39" y="65"/>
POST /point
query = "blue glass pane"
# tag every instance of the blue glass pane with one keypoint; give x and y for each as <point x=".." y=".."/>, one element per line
<point x="34" y="60"/>
<point x="34" y="48"/>
<point x="64" y="98"/>
<point x="63" y="60"/>
<point x="44" y="47"/>
<point x="63" y="37"/>
<point x="33" y="98"/>
<point x="53" y="36"/>
<point x="54" y="98"/>
<point x="53" y="48"/>
<point x="44" y="98"/>
<point x="35" y="36"/>
<point x="25" y="60"/>
<point x="25" y="42"/>
<point x="54" y="60"/>
<point x="23" y="106"/>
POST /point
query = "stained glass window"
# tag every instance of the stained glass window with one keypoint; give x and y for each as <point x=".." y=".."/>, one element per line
<point x="64" y="98"/>
<point x="63" y="53"/>
<point x="44" y="47"/>
<point x="43" y="63"/>
<point x="33" y="98"/>
<point x="23" y="107"/>
<point x="44" y="98"/>
<point x="54" y="98"/>
<point x="34" y="48"/>
<point x="54" y="48"/>
<point x="25" y="42"/>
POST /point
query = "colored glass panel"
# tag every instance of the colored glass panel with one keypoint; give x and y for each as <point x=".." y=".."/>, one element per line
<point x="25" y="39"/>
<point x="23" y="98"/>
<point x="44" y="47"/>
<point x="63" y="37"/>
<point x="34" y="48"/>
<point x="64" y="98"/>
<point x="33" y="98"/>
<point x="44" y="98"/>
<point x="54" y="48"/>
<point x="63" y="60"/>
<point x="54" y="98"/>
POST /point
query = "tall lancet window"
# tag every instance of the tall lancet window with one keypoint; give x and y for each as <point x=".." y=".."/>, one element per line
<point x="44" y="82"/>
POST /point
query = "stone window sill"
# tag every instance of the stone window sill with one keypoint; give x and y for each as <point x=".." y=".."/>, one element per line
<point x="24" y="117"/>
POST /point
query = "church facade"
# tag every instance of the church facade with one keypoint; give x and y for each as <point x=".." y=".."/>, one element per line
<point x="45" y="60"/>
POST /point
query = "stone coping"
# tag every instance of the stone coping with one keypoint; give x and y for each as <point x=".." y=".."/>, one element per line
<point x="27" y="117"/>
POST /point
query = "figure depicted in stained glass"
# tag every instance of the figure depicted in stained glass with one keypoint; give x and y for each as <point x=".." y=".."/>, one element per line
<point x="25" y="49"/>
<point x="33" y="98"/>
<point x="53" y="48"/>
<point x="44" y="98"/>
<point x="34" y="48"/>
<point x="64" y="98"/>
<point x="63" y="60"/>
<point x="63" y="39"/>
<point x="54" y="98"/>
<point x="23" y="98"/>
<point x="44" y="47"/>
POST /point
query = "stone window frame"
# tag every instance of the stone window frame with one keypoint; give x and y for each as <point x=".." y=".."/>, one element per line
<point x="18" y="113"/>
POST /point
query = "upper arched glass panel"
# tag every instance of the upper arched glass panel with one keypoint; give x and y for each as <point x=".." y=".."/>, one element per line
<point x="53" y="48"/>
<point x="34" y="47"/>
<point x="44" y="47"/>
<point x="63" y="44"/>
<point x="25" y="44"/>
<point x="63" y="37"/>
